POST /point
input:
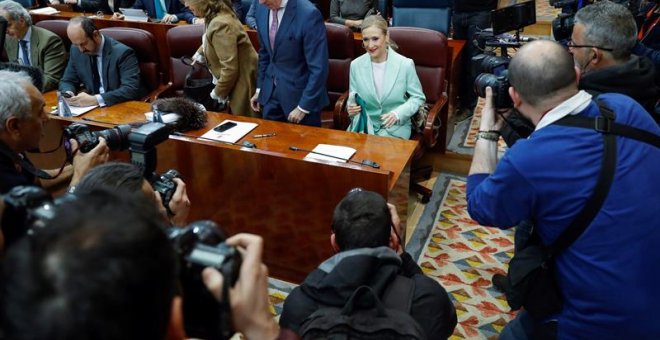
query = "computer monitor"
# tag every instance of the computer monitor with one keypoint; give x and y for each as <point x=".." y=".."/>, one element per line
<point x="513" y="17"/>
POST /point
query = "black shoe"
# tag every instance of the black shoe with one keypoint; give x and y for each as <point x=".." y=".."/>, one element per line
<point x="501" y="283"/>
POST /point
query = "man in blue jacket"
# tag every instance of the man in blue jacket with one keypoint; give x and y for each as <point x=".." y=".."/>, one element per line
<point x="607" y="277"/>
<point x="293" y="62"/>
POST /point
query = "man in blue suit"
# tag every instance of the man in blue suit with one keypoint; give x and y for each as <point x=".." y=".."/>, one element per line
<point x="107" y="68"/>
<point x="293" y="62"/>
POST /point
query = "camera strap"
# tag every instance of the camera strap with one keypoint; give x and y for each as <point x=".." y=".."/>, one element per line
<point x="22" y="162"/>
<point x="605" y="125"/>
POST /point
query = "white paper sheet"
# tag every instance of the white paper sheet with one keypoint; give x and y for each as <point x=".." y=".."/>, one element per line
<point x="340" y="153"/>
<point x="232" y="135"/>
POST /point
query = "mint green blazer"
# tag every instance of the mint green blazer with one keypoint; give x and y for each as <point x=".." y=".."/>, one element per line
<point x="402" y="93"/>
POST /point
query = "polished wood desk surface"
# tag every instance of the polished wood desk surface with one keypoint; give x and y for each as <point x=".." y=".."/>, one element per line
<point x="270" y="191"/>
<point x="391" y="154"/>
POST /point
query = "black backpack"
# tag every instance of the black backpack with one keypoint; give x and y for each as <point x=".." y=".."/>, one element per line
<point x="377" y="320"/>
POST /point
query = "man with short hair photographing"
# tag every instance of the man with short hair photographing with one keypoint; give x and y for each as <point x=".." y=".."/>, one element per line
<point x="602" y="41"/>
<point x="366" y="242"/>
<point x="606" y="277"/>
<point x="22" y="117"/>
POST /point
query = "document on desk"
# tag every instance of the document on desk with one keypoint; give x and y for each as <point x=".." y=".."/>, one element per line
<point x="231" y="135"/>
<point x="45" y="10"/>
<point x="80" y="110"/>
<point x="331" y="153"/>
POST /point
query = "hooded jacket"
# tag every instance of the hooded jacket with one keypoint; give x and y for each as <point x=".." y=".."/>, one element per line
<point x="634" y="78"/>
<point x="333" y="282"/>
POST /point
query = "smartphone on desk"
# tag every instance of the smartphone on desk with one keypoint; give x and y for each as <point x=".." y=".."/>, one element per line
<point x="224" y="127"/>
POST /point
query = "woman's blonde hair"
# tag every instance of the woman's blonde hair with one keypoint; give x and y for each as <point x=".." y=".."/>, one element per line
<point x="211" y="8"/>
<point x="380" y="23"/>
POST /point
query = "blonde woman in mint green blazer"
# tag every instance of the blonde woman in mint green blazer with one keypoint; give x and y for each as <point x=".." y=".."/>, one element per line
<point x="383" y="70"/>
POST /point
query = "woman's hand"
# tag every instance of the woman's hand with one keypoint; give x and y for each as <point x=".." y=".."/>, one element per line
<point x="388" y="120"/>
<point x="353" y="109"/>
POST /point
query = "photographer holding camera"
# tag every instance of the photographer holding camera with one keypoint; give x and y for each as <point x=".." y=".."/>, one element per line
<point x="22" y="117"/>
<point x="550" y="178"/>
<point x="109" y="271"/>
<point x="129" y="177"/>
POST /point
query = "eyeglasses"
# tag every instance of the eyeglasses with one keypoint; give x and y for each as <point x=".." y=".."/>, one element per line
<point x="571" y="44"/>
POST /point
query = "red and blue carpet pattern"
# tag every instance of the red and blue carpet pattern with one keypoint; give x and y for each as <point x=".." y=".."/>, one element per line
<point x="463" y="256"/>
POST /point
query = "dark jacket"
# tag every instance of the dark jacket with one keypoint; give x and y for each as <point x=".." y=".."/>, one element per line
<point x="634" y="78"/>
<point x="474" y="5"/>
<point x="332" y="283"/>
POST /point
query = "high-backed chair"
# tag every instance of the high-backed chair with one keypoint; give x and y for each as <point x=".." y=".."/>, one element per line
<point x="434" y="15"/>
<point x="144" y="45"/>
<point x="58" y="27"/>
<point x="428" y="49"/>
<point x="340" y="54"/>
<point x="182" y="41"/>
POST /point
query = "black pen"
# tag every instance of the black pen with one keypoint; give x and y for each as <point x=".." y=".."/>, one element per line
<point x="264" y="135"/>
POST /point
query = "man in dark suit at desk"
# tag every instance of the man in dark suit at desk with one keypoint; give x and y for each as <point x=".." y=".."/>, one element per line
<point x="166" y="11"/>
<point x="31" y="45"/>
<point x="293" y="62"/>
<point x="107" y="68"/>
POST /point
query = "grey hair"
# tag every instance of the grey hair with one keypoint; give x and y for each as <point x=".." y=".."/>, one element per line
<point x="609" y="25"/>
<point x="14" y="99"/>
<point x="15" y="11"/>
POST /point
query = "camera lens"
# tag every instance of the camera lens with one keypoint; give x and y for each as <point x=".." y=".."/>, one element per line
<point x="484" y="80"/>
<point x="117" y="137"/>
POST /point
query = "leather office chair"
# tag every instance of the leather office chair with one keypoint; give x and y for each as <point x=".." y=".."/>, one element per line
<point x="182" y="41"/>
<point x="434" y="15"/>
<point x="58" y="27"/>
<point x="144" y="45"/>
<point x="428" y="49"/>
<point x="340" y="54"/>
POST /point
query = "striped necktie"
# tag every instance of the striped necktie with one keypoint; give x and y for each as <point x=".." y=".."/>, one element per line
<point x="24" y="49"/>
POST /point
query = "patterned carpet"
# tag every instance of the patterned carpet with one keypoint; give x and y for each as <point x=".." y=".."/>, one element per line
<point x="459" y="254"/>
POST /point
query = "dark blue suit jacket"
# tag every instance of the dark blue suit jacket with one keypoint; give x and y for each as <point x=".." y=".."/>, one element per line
<point x="121" y="73"/>
<point x="299" y="61"/>
<point x="171" y="7"/>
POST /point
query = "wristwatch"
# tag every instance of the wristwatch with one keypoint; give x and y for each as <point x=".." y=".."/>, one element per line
<point x="491" y="135"/>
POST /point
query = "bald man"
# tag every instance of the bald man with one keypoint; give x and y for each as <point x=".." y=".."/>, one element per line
<point x="605" y="279"/>
<point x="108" y="69"/>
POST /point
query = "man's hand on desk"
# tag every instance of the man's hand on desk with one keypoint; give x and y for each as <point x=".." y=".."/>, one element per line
<point x="82" y="162"/>
<point x="169" y="19"/>
<point x="82" y="99"/>
<point x="117" y="16"/>
<point x="198" y="21"/>
<point x="296" y="115"/>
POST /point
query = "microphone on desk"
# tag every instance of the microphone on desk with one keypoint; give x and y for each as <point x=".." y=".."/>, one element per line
<point x="181" y="114"/>
<point x="245" y="144"/>
<point x="365" y="162"/>
<point x="131" y="124"/>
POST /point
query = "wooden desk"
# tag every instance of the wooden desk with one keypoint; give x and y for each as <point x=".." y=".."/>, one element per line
<point x="271" y="190"/>
<point x="157" y="29"/>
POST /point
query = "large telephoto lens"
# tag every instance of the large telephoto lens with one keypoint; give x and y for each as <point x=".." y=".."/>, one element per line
<point x="484" y="80"/>
<point x="116" y="137"/>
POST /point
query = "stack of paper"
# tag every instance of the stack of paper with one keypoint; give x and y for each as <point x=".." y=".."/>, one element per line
<point x="331" y="153"/>
<point x="45" y="10"/>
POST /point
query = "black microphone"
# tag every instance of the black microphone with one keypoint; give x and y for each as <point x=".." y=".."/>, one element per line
<point x="245" y="144"/>
<point x="192" y="115"/>
<point x="365" y="162"/>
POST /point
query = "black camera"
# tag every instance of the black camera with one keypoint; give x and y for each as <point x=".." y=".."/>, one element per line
<point x="165" y="186"/>
<point x="116" y="137"/>
<point x="199" y="245"/>
<point x="492" y="72"/>
<point x="562" y="25"/>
